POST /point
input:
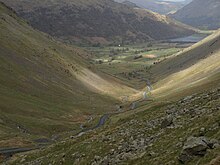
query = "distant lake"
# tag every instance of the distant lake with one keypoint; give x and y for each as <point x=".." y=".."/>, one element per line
<point x="189" y="39"/>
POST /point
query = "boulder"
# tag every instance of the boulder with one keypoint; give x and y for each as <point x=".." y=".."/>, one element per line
<point x="168" y="121"/>
<point x="194" y="146"/>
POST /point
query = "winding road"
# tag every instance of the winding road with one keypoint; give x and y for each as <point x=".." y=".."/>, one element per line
<point x="149" y="88"/>
<point x="8" y="152"/>
<point x="101" y="122"/>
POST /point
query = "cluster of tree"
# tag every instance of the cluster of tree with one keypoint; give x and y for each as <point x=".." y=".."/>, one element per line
<point x="115" y="52"/>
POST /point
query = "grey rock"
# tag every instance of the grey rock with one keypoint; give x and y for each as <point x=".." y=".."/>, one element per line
<point x="213" y="143"/>
<point x="168" y="121"/>
<point x="216" y="145"/>
<point x="97" y="158"/>
<point x="152" y="154"/>
<point x="194" y="146"/>
<point x="185" y="157"/>
<point x="181" y="139"/>
<point x="202" y="131"/>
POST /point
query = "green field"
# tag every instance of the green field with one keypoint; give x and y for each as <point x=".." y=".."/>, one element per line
<point x="132" y="63"/>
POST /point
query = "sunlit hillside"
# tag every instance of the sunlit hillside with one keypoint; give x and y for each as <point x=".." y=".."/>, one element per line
<point x="46" y="86"/>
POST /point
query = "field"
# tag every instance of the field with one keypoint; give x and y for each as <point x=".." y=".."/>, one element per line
<point x="132" y="63"/>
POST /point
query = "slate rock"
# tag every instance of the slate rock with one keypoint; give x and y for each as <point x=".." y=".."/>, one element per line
<point x="194" y="146"/>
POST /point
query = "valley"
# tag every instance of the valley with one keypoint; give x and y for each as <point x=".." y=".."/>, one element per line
<point x="44" y="91"/>
<point x="138" y="136"/>
<point x="136" y="88"/>
<point x="131" y="64"/>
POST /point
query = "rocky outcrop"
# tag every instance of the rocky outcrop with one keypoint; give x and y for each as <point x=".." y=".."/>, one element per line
<point x="196" y="146"/>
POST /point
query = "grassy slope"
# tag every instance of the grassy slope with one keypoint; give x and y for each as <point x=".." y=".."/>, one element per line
<point x="41" y="88"/>
<point x="195" y="66"/>
<point x="166" y="145"/>
<point x="186" y="58"/>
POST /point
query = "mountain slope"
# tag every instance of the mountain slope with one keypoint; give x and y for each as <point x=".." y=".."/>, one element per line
<point x="183" y="130"/>
<point x="200" y="13"/>
<point x="159" y="6"/>
<point x="46" y="86"/>
<point x="95" y="21"/>
<point x="187" y="57"/>
<point x="130" y="4"/>
<point x="196" y="67"/>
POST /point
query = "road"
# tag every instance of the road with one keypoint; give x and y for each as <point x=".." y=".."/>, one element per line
<point x="8" y="152"/>
<point x="149" y="88"/>
<point x="101" y="122"/>
<point x="105" y="117"/>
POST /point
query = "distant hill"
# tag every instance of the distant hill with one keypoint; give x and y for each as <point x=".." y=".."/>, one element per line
<point x="159" y="6"/>
<point x="203" y="14"/>
<point x="93" y="21"/>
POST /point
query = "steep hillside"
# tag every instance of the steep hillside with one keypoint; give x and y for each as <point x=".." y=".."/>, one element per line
<point x="200" y="13"/>
<point x="187" y="57"/>
<point x="95" y="21"/>
<point x="172" y="133"/>
<point x="47" y="87"/>
<point x="196" y="67"/>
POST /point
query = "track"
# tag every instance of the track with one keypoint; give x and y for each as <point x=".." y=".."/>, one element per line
<point x="8" y="152"/>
